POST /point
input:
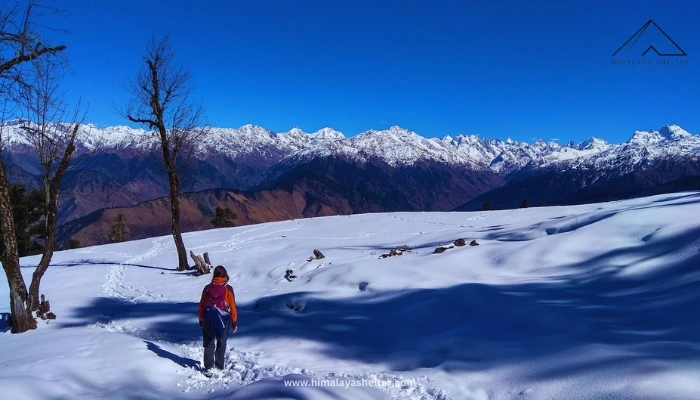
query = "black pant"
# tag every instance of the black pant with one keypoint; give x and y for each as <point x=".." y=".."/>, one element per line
<point x="214" y="348"/>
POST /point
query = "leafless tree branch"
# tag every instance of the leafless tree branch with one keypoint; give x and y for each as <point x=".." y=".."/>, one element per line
<point x="29" y="87"/>
<point x="160" y="94"/>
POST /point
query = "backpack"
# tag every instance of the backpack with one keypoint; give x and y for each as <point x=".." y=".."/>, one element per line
<point x="216" y="315"/>
<point x="216" y="296"/>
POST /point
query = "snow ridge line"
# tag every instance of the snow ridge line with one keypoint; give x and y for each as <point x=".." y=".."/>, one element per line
<point x="230" y="242"/>
<point x="233" y="242"/>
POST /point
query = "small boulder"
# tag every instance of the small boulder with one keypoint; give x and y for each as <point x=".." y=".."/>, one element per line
<point x="289" y="275"/>
<point x="396" y="252"/>
<point x="460" y="242"/>
<point x="473" y="243"/>
<point x="440" y="249"/>
<point x="318" y="254"/>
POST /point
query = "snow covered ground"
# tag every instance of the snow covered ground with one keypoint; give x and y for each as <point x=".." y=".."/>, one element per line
<point x="585" y="302"/>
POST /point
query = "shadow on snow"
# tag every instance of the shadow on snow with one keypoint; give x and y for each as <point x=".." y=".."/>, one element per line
<point x="74" y="263"/>
<point x="4" y="327"/>
<point x="160" y="352"/>
<point x="647" y="316"/>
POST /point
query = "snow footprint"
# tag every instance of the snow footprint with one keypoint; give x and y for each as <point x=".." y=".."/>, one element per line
<point x="159" y="246"/>
<point x="114" y="284"/>
<point x="243" y="368"/>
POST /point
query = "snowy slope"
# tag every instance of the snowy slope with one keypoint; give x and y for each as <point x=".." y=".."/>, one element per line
<point x="586" y="302"/>
<point x="398" y="146"/>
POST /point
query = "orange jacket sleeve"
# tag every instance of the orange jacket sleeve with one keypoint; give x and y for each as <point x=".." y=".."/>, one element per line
<point x="201" y="305"/>
<point x="231" y="301"/>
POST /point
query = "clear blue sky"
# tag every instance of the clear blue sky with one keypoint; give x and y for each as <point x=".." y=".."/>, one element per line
<point x="506" y="68"/>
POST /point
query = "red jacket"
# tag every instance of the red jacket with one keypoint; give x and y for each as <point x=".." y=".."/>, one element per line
<point x="230" y="300"/>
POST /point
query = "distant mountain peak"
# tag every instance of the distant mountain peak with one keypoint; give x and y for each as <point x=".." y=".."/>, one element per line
<point x="296" y="131"/>
<point x="395" y="146"/>
<point x="673" y="132"/>
<point x="251" y="129"/>
<point x="651" y="137"/>
<point x="593" y="143"/>
<point x="328" y="133"/>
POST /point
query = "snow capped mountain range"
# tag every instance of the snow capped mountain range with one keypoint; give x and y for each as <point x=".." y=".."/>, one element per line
<point x="327" y="173"/>
<point x="397" y="146"/>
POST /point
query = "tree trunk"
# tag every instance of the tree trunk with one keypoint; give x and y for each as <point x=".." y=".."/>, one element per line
<point x="53" y="190"/>
<point x="22" y="319"/>
<point x="182" y="263"/>
<point x="33" y="301"/>
<point x="157" y="105"/>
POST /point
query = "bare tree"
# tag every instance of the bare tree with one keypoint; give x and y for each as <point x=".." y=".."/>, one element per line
<point x="21" y="49"/>
<point x="160" y="100"/>
<point x="53" y="139"/>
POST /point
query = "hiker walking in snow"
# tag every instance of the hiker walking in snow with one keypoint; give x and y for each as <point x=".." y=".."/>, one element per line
<point x="217" y="311"/>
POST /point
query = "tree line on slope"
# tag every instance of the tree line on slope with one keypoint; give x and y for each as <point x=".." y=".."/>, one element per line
<point x="119" y="231"/>
<point x="30" y="229"/>
<point x="525" y="204"/>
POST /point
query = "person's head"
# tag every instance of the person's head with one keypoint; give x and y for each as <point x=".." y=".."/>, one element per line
<point x="220" y="272"/>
